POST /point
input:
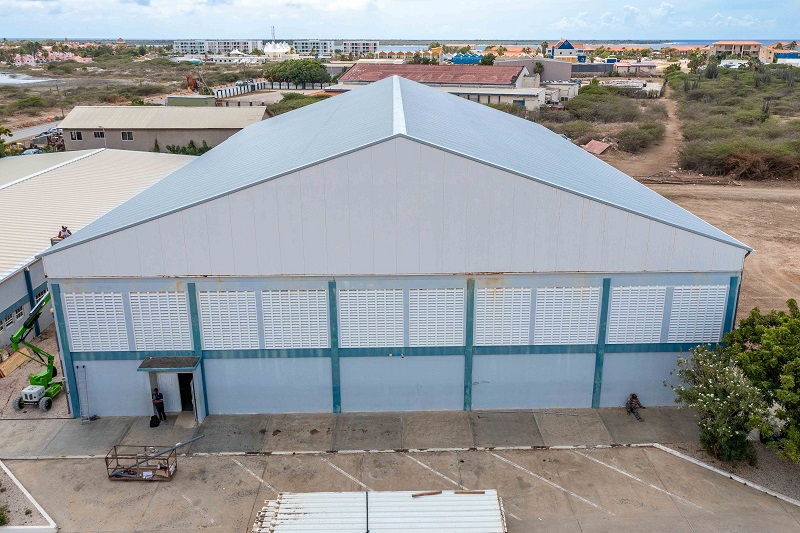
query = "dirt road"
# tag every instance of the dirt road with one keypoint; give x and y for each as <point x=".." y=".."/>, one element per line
<point x="658" y="160"/>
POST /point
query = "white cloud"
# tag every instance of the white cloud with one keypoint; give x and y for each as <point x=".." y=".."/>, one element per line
<point x="579" y="22"/>
<point x="745" y="21"/>
<point x="664" y="10"/>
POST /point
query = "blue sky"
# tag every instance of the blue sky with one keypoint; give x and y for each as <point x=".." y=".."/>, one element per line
<point x="409" y="19"/>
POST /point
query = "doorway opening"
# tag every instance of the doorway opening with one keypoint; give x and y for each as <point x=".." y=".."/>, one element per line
<point x="186" y="391"/>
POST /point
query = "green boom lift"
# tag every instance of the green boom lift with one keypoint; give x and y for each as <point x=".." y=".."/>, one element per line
<point x="42" y="389"/>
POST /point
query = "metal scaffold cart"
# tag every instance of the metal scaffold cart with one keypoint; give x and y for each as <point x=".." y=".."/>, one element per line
<point x="143" y="463"/>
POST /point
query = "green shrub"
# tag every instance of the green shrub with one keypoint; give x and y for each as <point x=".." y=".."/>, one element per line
<point x="726" y="401"/>
<point x="4" y="515"/>
<point x="637" y="138"/>
<point x="580" y="131"/>
<point x="294" y="102"/>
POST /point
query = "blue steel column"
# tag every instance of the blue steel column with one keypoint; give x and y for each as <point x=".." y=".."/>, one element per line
<point x="468" y="340"/>
<point x="333" y="318"/>
<point x="601" y="344"/>
<point x="31" y="298"/>
<point x="66" y="355"/>
<point x="730" y="311"/>
<point x="194" y="314"/>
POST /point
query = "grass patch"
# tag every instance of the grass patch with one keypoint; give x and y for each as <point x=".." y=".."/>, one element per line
<point x="4" y="515"/>
<point x="292" y="101"/>
<point x="636" y="138"/>
<point x="745" y="123"/>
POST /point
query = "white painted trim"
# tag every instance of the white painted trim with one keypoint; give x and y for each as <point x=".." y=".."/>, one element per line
<point x="50" y="169"/>
<point x="51" y="525"/>
<point x="726" y="474"/>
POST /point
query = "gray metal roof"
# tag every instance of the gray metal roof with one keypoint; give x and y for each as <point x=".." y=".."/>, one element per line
<point x="18" y="167"/>
<point x="382" y="110"/>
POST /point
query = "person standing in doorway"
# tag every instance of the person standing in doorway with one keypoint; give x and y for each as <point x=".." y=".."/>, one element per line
<point x="158" y="401"/>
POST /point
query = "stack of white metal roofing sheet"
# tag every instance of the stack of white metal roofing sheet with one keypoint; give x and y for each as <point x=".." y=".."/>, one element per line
<point x="376" y="512"/>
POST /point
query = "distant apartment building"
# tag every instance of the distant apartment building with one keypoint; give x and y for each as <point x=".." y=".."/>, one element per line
<point x="777" y="51"/>
<point x="217" y="46"/>
<point x="736" y="48"/>
<point x="360" y="47"/>
<point x="315" y="46"/>
<point x="567" y="51"/>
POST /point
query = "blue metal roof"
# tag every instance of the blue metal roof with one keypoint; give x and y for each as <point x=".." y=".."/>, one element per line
<point x="382" y="110"/>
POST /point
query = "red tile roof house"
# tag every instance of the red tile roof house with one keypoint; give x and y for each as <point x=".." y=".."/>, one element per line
<point x="440" y="75"/>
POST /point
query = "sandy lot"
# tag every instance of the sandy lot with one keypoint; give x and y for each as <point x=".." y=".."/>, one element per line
<point x="21" y="512"/>
<point x="11" y="386"/>
<point x="765" y="216"/>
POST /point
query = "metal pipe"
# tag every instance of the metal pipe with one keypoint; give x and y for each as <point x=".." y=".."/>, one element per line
<point x="147" y="458"/>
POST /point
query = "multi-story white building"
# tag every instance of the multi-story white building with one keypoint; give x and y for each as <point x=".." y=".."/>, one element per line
<point x="191" y="46"/>
<point x="360" y="47"/>
<point x="217" y="46"/>
<point x="316" y="46"/>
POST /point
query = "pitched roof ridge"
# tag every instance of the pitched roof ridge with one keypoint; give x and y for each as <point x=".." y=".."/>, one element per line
<point x="398" y="113"/>
<point x="50" y="169"/>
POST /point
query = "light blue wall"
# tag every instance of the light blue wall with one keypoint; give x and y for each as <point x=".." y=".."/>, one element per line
<point x="297" y="385"/>
<point x="642" y="373"/>
<point x="528" y="376"/>
<point x="411" y="383"/>
<point x="530" y="381"/>
<point x="116" y="389"/>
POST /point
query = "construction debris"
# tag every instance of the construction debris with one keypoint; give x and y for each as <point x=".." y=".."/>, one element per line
<point x="596" y="147"/>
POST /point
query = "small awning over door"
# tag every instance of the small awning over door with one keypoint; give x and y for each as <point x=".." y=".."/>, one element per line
<point x="169" y="364"/>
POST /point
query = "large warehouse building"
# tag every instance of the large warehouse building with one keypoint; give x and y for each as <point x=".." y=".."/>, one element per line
<point x="393" y="248"/>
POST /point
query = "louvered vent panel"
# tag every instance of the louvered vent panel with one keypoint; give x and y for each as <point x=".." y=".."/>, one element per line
<point x="697" y="313"/>
<point x="229" y="320"/>
<point x="436" y="317"/>
<point x="636" y="314"/>
<point x="295" y="318"/>
<point x="566" y="315"/>
<point x="371" y="317"/>
<point x="502" y="316"/>
<point x="160" y="321"/>
<point x="96" y="321"/>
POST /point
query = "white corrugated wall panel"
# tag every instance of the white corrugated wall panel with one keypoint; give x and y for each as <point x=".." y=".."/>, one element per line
<point x="436" y="317"/>
<point x="371" y="317"/>
<point x="502" y="316"/>
<point x="636" y="314"/>
<point x="228" y="320"/>
<point x="295" y="318"/>
<point x="697" y="314"/>
<point x="454" y="214"/>
<point x="315" y="234"/>
<point x="409" y="213"/>
<point x="384" y="215"/>
<point x="248" y="235"/>
<point x="431" y="239"/>
<point x="566" y="315"/>
<point x="160" y="321"/>
<point x="96" y="321"/>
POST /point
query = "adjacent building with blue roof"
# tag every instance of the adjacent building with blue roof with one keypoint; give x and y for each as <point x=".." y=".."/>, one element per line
<point x="393" y="248"/>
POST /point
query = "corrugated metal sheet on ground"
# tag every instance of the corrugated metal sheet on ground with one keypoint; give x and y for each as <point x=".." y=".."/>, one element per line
<point x="388" y="511"/>
<point x="380" y="111"/>
<point x="73" y="194"/>
<point x="161" y="117"/>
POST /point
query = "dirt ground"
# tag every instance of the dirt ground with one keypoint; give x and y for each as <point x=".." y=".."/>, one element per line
<point x="21" y="512"/>
<point x="11" y="386"/>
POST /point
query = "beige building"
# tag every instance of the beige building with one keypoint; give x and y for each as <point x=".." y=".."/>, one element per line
<point x="141" y="127"/>
<point x="737" y="48"/>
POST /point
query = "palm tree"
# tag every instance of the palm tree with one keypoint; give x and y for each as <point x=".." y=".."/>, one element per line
<point x="538" y="68"/>
<point x="792" y="45"/>
<point x="527" y="50"/>
<point x="544" y="46"/>
<point x="501" y="50"/>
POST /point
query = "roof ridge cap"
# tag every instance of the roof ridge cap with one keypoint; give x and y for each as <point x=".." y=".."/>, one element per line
<point x="398" y="113"/>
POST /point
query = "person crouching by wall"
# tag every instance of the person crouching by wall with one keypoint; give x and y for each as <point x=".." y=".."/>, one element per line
<point x="633" y="405"/>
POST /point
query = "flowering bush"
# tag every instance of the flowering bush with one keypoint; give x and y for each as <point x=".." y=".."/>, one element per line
<point x="728" y="404"/>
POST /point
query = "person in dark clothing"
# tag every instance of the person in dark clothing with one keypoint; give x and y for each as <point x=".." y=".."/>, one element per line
<point x="158" y="401"/>
<point x="633" y="405"/>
